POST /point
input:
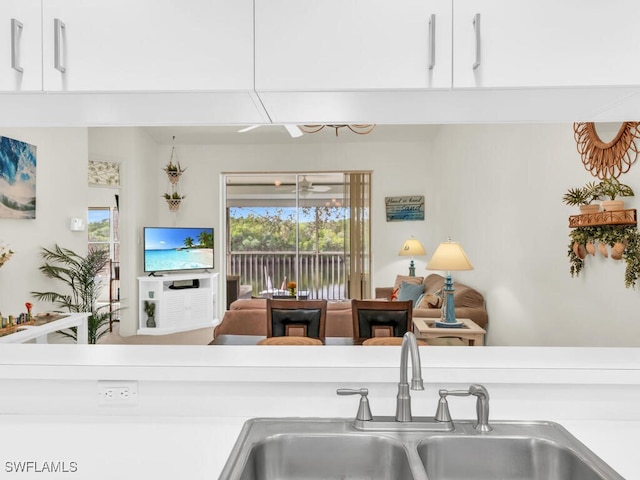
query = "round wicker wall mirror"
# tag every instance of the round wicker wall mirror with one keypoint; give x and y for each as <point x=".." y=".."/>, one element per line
<point x="607" y="159"/>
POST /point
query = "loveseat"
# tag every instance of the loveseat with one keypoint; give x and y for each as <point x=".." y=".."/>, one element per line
<point x="249" y="317"/>
<point x="469" y="302"/>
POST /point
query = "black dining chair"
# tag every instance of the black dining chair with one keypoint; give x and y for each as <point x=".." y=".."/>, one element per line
<point x="296" y="318"/>
<point x="375" y="318"/>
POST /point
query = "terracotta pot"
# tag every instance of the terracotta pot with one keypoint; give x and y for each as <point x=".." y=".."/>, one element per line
<point x="602" y="247"/>
<point x="585" y="209"/>
<point x="591" y="248"/>
<point x="612" y="205"/>
<point x="579" y="250"/>
<point x="616" y="250"/>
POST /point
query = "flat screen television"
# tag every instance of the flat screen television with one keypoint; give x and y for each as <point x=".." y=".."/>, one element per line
<point x="176" y="249"/>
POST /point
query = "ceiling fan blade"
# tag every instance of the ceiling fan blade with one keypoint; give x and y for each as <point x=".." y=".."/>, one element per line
<point x="249" y="128"/>
<point x="294" y="131"/>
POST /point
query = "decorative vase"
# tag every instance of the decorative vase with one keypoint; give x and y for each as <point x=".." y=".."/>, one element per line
<point x="151" y="322"/>
<point x="292" y="292"/>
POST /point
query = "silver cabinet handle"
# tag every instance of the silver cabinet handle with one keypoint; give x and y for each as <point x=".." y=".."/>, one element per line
<point x="476" y="28"/>
<point x="58" y="27"/>
<point x="432" y="41"/>
<point x="16" y="29"/>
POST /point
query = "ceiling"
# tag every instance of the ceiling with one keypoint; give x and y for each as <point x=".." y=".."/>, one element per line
<point x="274" y="134"/>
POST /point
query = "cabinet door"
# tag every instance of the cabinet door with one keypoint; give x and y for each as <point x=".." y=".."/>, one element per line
<point x="148" y="45"/>
<point x="353" y="44"/>
<point x="546" y="43"/>
<point x="174" y="309"/>
<point x="20" y="45"/>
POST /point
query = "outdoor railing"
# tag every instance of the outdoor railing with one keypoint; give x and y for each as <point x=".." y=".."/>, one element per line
<point x="321" y="275"/>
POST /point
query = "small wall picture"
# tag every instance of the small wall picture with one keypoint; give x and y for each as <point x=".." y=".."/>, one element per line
<point x="17" y="179"/>
<point x="405" y="208"/>
<point x="104" y="173"/>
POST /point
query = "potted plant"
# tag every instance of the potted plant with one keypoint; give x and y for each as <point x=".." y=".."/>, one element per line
<point x="79" y="274"/>
<point x="174" y="200"/>
<point x="173" y="171"/>
<point x="150" y="310"/>
<point x="624" y="242"/>
<point x="612" y="188"/>
<point x="583" y="197"/>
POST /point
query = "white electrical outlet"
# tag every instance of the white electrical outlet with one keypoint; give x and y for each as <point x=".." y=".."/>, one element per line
<point x="117" y="392"/>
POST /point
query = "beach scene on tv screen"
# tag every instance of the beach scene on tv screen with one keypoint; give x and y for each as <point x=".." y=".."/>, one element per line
<point x="178" y="249"/>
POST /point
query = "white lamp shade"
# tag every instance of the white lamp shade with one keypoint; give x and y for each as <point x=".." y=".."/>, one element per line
<point x="411" y="248"/>
<point x="449" y="256"/>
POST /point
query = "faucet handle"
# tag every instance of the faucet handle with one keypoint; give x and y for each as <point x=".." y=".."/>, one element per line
<point x="364" y="411"/>
<point x="482" y="405"/>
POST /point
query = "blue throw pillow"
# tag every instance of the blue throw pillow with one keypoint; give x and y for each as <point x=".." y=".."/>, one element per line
<point x="411" y="292"/>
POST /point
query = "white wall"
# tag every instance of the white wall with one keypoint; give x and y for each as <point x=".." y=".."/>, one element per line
<point x="501" y="197"/>
<point x="61" y="193"/>
<point x="137" y="155"/>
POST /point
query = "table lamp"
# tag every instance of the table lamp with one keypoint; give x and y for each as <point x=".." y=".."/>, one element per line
<point x="447" y="257"/>
<point x="410" y="248"/>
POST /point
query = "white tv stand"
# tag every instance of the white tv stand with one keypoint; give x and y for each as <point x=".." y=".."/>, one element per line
<point x="178" y="309"/>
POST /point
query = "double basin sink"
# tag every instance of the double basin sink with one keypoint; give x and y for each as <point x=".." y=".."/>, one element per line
<point x="331" y="448"/>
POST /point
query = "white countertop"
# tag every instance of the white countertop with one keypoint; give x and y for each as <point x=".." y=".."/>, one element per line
<point x="197" y="448"/>
<point x="193" y="401"/>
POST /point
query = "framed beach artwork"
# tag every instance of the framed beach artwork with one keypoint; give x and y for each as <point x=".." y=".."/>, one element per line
<point x="17" y="179"/>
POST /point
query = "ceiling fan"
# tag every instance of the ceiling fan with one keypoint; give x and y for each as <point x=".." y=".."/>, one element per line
<point x="306" y="186"/>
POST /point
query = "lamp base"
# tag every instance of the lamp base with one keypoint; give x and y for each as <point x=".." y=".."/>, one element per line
<point x="455" y="324"/>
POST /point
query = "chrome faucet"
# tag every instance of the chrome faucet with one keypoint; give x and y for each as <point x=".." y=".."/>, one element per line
<point x="403" y="404"/>
<point x="403" y="420"/>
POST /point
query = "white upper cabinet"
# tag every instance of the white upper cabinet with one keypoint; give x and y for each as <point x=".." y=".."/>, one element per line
<point x="20" y="46"/>
<point x="147" y="45"/>
<point x="522" y="43"/>
<point x="355" y="44"/>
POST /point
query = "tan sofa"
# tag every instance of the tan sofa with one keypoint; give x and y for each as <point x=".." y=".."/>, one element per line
<point x="249" y="317"/>
<point x="468" y="301"/>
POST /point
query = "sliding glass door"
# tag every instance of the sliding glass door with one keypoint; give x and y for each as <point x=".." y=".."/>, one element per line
<point x="284" y="228"/>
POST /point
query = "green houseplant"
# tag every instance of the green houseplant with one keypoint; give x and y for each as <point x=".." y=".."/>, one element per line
<point x="622" y="239"/>
<point x="583" y="197"/>
<point x="613" y="189"/>
<point x="174" y="200"/>
<point x="150" y="311"/>
<point x="78" y="273"/>
<point x="173" y="171"/>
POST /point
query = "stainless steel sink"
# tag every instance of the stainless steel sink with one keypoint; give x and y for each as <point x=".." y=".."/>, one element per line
<point x="526" y="451"/>
<point x="291" y="457"/>
<point x="326" y="448"/>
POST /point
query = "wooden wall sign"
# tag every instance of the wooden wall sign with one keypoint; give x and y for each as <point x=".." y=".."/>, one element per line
<point x="404" y="208"/>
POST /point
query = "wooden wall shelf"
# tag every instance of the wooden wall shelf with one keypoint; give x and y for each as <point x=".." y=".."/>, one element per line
<point x="614" y="217"/>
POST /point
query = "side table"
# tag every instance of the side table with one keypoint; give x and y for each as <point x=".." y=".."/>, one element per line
<point x="470" y="332"/>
